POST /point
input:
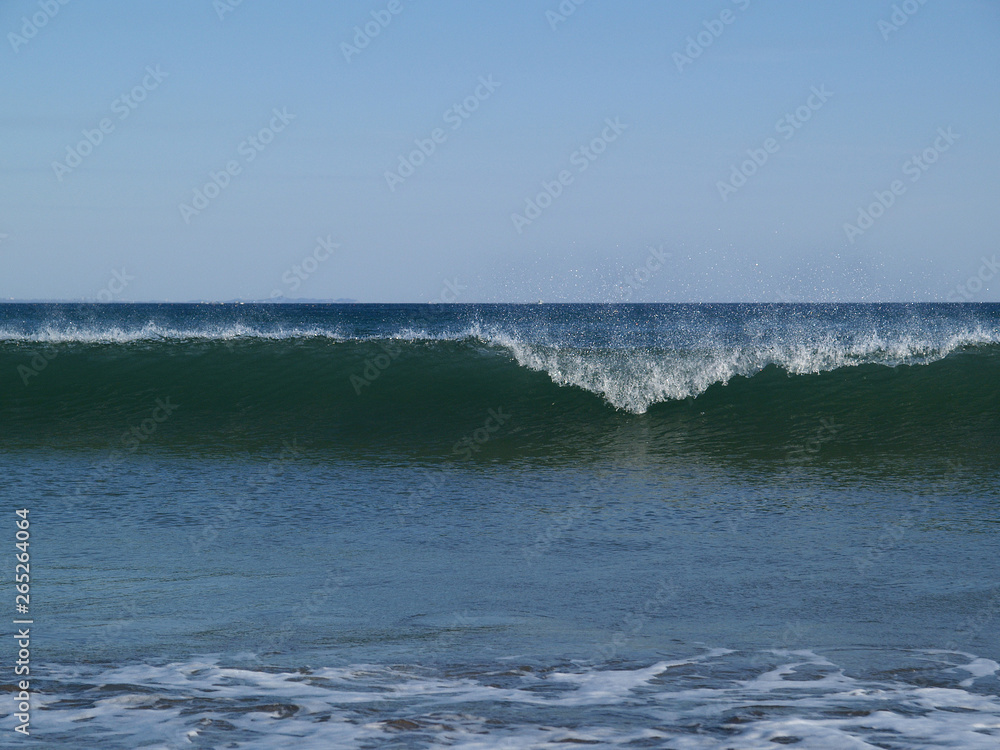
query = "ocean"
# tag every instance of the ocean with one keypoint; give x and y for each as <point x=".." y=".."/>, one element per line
<point x="504" y="526"/>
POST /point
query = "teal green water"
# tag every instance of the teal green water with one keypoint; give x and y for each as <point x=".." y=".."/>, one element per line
<point x="508" y="526"/>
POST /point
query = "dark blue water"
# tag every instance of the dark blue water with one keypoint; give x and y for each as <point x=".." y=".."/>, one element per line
<point x="634" y="526"/>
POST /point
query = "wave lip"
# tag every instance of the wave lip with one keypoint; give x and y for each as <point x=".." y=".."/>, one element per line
<point x="634" y="379"/>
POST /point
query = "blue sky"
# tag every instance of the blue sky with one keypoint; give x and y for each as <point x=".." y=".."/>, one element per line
<point x="657" y="215"/>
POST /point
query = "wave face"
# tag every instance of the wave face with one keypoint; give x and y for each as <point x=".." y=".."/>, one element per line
<point x="506" y="381"/>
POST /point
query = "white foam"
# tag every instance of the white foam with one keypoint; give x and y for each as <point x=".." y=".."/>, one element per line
<point x="979" y="668"/>
<point x="177" y="705"/>
<point x="634" y="379"/>
<point x="52" y="334"/>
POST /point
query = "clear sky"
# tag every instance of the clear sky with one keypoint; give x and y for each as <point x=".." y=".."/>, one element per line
<point x="745" y="139"/>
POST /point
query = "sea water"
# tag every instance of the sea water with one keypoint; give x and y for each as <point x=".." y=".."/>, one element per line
<point x="505" y="526"/>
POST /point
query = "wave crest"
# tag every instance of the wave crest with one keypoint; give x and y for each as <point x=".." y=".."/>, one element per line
<point x="635" y="379"/>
